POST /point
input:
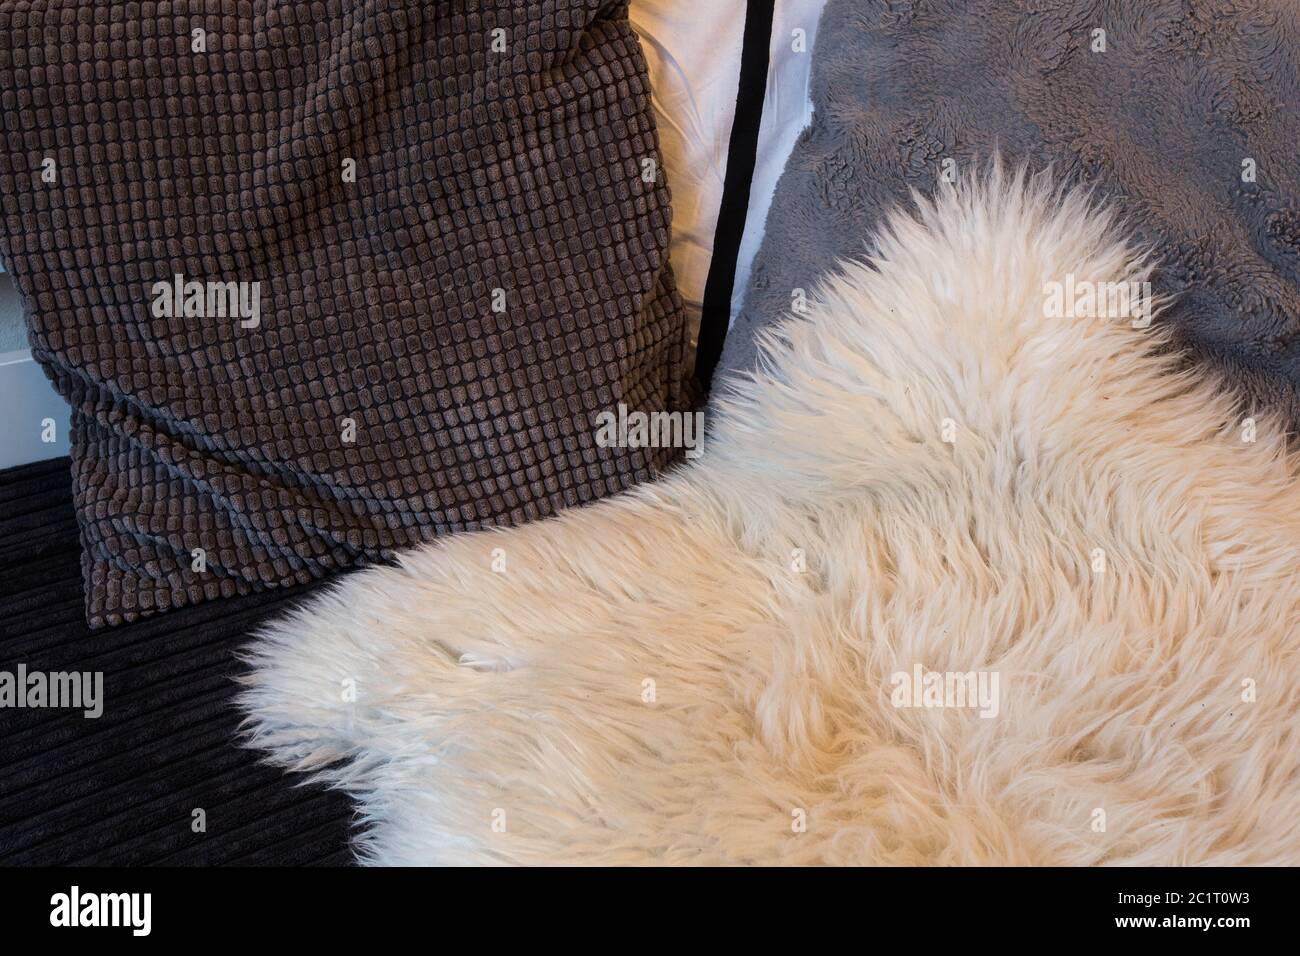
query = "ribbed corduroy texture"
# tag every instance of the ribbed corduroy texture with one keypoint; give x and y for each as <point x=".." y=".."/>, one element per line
<point x="122" y="788"/>
<point x="504" y="155"/>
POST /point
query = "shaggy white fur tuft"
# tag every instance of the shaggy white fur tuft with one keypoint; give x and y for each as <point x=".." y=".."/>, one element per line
<point x="705" y="670"/>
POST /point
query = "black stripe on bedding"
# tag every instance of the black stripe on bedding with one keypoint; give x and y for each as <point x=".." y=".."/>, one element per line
<point x="741" y="153"/>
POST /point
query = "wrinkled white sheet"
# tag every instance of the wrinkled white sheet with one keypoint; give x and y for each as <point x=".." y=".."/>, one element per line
<point x="693" y="49"/>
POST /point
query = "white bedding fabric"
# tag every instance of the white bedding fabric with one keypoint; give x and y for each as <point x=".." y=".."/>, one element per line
<point x="693" y="50"/>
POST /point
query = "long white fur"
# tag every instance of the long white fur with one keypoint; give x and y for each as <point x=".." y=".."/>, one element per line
<point x="504" y="716"/>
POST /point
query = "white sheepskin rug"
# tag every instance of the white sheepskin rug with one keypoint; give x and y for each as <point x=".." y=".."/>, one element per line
<point x="955" y="581"/>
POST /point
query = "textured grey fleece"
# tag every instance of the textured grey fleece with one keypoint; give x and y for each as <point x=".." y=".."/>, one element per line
<point x="1161" y="122"/>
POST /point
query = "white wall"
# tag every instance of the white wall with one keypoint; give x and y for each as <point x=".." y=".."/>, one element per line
<point x="26" y="397"/>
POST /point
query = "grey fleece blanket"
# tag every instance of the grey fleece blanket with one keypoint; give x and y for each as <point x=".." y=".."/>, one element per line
<point x="1184" y="113"/>
<point x="325" y="280"/>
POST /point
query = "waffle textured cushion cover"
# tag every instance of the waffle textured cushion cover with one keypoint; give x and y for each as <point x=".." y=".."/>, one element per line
<point x="322" y="280"/>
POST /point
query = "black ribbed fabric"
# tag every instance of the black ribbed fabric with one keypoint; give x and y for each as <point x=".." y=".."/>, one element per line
<point x="122" y="788"/>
